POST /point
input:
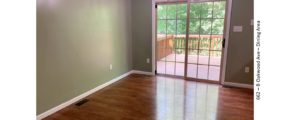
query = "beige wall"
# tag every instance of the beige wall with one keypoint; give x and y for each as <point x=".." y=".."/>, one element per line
<point x="241" y="44"/>
<point x="76" y="42"/>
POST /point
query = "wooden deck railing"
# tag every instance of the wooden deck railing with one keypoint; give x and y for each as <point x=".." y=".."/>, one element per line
<point x="164" y="46"/>
<point x="176" y="44"/>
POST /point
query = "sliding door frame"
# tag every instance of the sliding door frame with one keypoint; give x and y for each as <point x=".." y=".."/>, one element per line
<point x="227" y="26"/>
<point x="155" y="18"/>
<point x="227" y="20"/>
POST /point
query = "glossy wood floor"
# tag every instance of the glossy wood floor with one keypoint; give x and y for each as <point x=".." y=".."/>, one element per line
<point x="141" y="97"/>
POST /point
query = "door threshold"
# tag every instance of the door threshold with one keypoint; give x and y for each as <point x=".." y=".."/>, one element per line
<point x="190" y="79"/>
<point x="203" y="81"/>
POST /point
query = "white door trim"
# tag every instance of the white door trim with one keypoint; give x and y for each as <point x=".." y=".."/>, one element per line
<point x="85" y="94"/>
<point x="226" y="36"/>
<point x="153" y="36"/>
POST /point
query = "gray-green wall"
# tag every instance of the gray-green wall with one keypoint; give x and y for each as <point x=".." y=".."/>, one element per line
<point x="76" y="42"/>
<point x="142" y="34"/>
<point x="241" y="44"/>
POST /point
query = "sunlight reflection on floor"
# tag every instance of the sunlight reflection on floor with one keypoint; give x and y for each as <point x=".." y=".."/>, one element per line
<point x="178" y="99"/>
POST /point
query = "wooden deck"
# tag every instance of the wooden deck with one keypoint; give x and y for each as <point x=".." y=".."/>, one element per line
<point x="173" y="64"/>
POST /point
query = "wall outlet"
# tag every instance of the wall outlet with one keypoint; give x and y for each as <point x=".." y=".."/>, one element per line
<point x="238" y="29"/>
<point x="148" y="60"/>
<point x="247" y="69"/>
<point x="111" y="67"/>
<point x="252" y="22"/>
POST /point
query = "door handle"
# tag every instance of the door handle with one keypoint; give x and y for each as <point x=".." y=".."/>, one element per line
<point x="224" y="42"/>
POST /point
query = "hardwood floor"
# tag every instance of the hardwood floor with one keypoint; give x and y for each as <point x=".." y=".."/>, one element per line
<point x="141" y="97"/>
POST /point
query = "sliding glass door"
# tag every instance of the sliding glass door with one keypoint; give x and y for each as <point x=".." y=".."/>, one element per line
<point x="171" y="32"/>
<point x="204" y="39"/>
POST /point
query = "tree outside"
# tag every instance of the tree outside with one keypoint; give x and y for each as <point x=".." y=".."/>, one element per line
<point x="206" y="25"/>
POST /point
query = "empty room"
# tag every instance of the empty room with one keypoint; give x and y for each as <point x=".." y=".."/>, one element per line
<point x="145" y="59"/>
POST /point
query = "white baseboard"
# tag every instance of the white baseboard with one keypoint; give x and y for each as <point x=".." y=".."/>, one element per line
<point x="238" y="85"/>
<point x="67" y="103"/>
<point x="142" y="72"/>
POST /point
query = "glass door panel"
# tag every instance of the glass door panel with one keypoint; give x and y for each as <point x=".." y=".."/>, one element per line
<point x="214" y="72"/>
<point x="171" y="23"/>
<point x="203" y="57"/>
<point x="205" y="36"/>
<point x="161" y="40"/>
<point x="191" y="70"/>
<point x="202" y="72"/>
<point x="204" y="43"/>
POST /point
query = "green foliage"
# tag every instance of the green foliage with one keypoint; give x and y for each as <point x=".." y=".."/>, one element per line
<point x="205" y="28"/>
<point x="171" y="12"/>
<point x="217" y="26"/>
<point x="161" y="26"/>
<point x="161" y="11"/>
<point x="201" y="15"/>
<point x="219" y="9"/>
<point x="206" y="9"/>
<point x="171" y="26"/>
<point x="206" y="18"/>
<point x="181" y="26"/>
<point x="194" y="26"/>
<point x="195" y="10"/>
<point x="181" y="11"/>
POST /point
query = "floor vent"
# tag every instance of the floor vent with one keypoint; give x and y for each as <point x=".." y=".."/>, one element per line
<point x="81" y="102"/>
